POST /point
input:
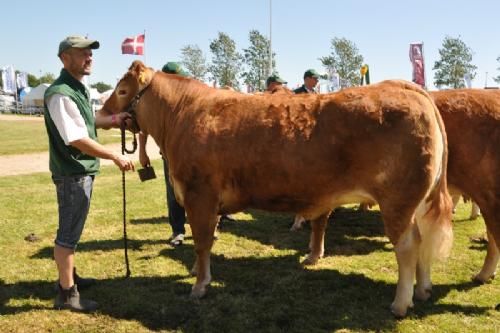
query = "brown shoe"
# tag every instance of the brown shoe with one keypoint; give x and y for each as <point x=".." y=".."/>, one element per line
<point x="69" y="299"/>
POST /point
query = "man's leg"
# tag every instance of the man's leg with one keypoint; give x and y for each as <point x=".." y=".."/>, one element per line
<point x="65" y="261"/>
<point x="73" y="197"/>
<point x="176" y="213"/>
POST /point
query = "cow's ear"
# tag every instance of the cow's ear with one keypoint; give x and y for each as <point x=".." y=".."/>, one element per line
<point x="145" y="76"/>
<point x="136" y="67"/>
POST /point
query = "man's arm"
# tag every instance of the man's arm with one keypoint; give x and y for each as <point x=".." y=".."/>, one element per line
<point x="93" y="148"/>
<point x="106" y="120"/>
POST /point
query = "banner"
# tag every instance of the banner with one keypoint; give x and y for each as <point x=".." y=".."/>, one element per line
<point x="9" y="80"/>
<point x="417" y="60"/>
<point x="22" y="80"/>
<point x="134" y="45"/>
<point x="468" y="80"/>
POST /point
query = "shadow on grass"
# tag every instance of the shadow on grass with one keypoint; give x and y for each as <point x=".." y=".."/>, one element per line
<point x="100" y="245"/>
<point x="349" y="232"/>
<point x="247" y="294"/>
<point x="150" y="220"/>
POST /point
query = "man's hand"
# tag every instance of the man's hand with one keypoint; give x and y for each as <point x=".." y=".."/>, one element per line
<point x="123" y="162"/>
<point x="106" y="120"/>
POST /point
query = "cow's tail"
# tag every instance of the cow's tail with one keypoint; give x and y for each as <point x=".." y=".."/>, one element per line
<point x="435" y="211"/>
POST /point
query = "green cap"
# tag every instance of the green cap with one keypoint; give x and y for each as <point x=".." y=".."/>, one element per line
<point x="274" y="78"/>
<point x="172" y="67"/>
<point x="78" y="42"/>
<point x="311" y="73"/>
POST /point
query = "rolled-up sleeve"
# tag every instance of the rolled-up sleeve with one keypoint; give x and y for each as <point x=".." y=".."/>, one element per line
<point x="67" y="118"/>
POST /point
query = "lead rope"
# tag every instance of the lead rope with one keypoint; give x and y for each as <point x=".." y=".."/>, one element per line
<point x="124" y="149"/>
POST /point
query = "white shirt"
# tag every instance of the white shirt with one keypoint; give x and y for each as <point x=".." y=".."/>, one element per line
<point x="67" y="118"/>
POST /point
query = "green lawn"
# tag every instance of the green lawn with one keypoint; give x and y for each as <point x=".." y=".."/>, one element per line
<point x="24" y="137"/>
<point x="258" y="282"/>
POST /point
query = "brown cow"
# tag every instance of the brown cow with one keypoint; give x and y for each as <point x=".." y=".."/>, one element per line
<point x="472" y="121"/>
<point x="305" y="154"/>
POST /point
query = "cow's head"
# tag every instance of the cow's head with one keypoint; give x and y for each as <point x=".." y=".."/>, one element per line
<point x="132" y="83"/>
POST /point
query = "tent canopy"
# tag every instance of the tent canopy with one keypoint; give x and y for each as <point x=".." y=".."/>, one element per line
<point x="35" y="96"/>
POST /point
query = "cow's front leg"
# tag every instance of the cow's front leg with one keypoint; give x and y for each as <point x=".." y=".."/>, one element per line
<point x="490" y="262"/>
<point x="317" y="240"/>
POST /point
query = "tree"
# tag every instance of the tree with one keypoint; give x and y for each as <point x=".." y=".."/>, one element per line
<point x="101" y="86"/>
<point x="33" y="81"/>
<point x="497" y="79"/>
<point x="47" y="78"/>
<point x="194" y="61"/>
<point x="345" y="60"/>
<point x="455" y="62"/>
<point x="226" y="61"/>
<point x="256" y="57"/>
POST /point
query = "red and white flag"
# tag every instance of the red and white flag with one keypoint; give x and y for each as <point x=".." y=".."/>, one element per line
<point x="417" y="60"/>
<point x="134" y="45"/>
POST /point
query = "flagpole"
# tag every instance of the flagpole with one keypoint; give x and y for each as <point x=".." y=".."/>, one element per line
<point x="424" y="64"/>
<point x="144" y="47"/>
<point x="270" y="37"/>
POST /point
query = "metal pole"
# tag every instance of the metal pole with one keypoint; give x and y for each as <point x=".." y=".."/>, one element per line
<point x="144" y="47"/>
<point x="270" y="37"/>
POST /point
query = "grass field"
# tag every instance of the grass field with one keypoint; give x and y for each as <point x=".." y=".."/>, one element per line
<point x="258" y="283"/>
<point x="24" y="137"/>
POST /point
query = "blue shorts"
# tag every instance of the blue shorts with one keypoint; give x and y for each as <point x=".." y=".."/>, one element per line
<point x="73" y="199"/>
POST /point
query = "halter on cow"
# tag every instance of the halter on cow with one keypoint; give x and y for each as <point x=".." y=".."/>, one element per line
<point x="304" y="154"/>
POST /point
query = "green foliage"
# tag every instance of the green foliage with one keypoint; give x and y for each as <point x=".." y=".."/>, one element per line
<point x="47" y="78"/>
<point x="194" y="61"/>
<point x="226" y="61"/>
<point x="101" y="86"/>
<point x="497" y="79"/>
<point x="256" y="58"/>
<point x="455" y="61"/>
<point x="346" y="61"/>
<point x="33" y="81"/>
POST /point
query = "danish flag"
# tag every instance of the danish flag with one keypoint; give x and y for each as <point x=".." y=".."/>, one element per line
<point x="134" y="45"/>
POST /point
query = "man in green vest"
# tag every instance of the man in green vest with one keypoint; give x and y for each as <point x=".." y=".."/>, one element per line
<point x="74" y="161"/>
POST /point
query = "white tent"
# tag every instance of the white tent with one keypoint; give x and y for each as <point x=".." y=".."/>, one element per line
<point x="35" y="96"/>
<point x="94" y="94"/>
<point x="105" y="95"/>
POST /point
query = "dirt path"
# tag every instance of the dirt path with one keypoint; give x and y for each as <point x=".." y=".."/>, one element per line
<point x="23" y="164"/>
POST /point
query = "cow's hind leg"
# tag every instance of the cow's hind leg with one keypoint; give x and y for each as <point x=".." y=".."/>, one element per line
<point x="317" y="241"/>
<point x="202" y="217"/>
<point x="407" y="256"/>
<point x="435" y="230"/>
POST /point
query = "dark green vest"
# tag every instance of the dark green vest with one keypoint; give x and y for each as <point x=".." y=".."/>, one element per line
<point x="67" y="160"/>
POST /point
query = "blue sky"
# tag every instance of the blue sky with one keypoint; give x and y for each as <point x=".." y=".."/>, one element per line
<point x="301" y="32"/>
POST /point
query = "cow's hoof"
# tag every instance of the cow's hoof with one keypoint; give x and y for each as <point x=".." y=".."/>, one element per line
<point x="310" y="260"/>
<point x="423" y="294"/>
<point x="479" y="279"/>
<point x="399" y="311"/>
<point x="198" y="292"/>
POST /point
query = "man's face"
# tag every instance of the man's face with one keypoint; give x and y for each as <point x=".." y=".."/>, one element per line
<point x="273" y="85"/>
<point x="77" y="61"/>
<point x="310" y="82"/>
